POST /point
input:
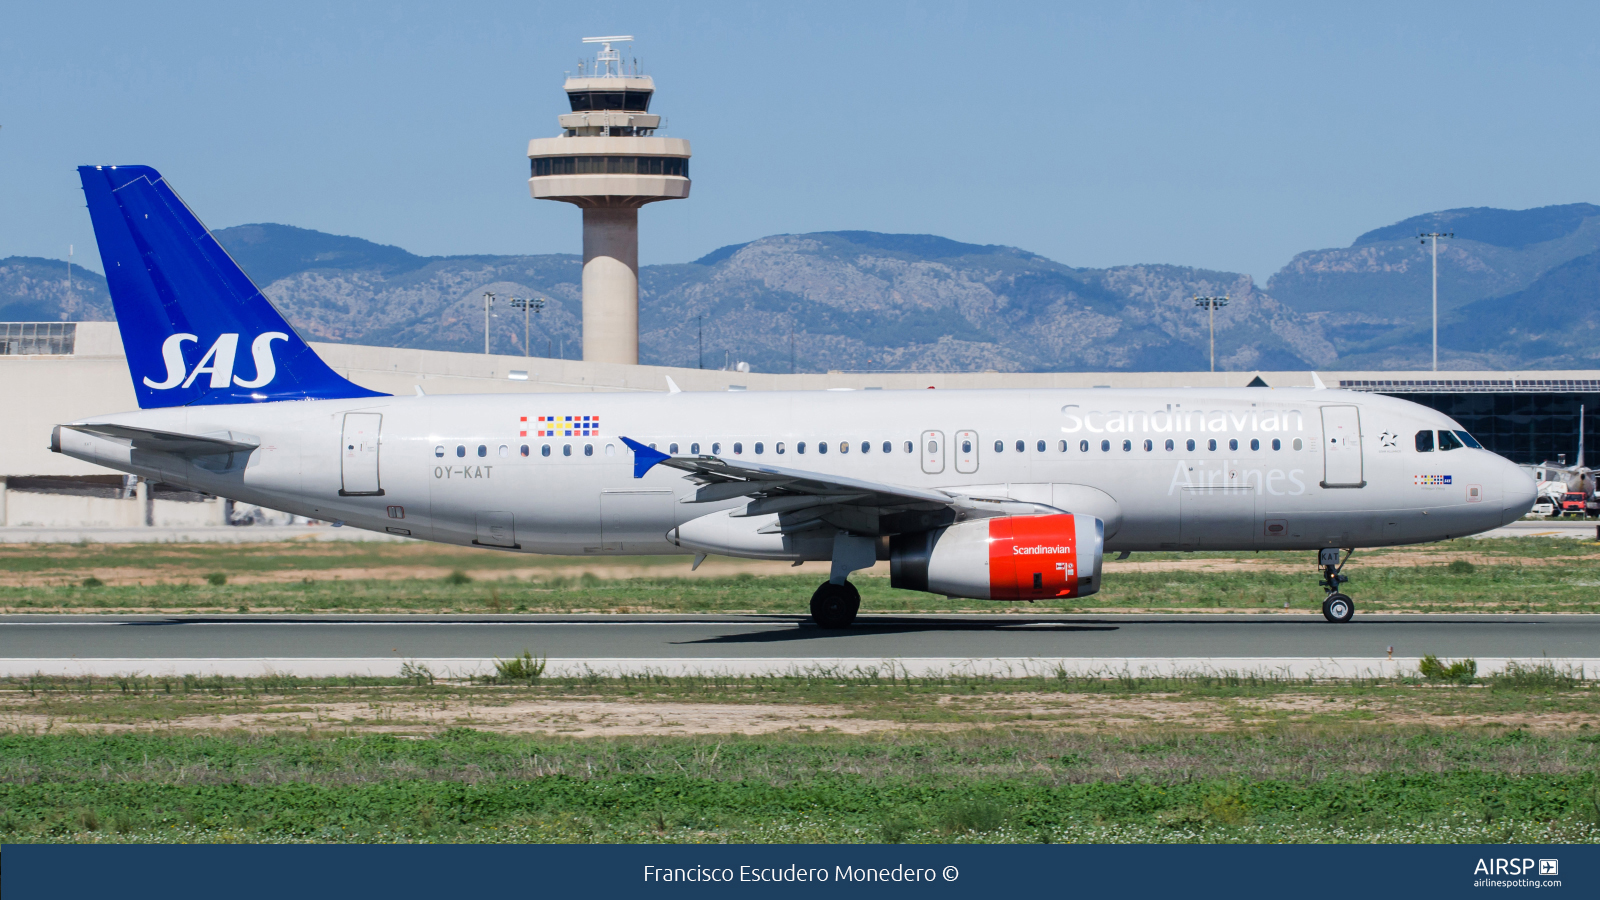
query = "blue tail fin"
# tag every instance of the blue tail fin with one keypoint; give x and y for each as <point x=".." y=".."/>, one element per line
<point x="195" y="328"/>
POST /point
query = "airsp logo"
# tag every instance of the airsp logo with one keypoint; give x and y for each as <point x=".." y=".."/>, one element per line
<point x="218" y="362"/>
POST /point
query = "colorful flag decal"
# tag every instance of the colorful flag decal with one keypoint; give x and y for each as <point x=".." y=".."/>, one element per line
<point x="1433" y="479"/>
<point x="567" y="426"/>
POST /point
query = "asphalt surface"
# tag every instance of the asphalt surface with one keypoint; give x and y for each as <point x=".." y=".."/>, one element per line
<point x="783" y="637"/>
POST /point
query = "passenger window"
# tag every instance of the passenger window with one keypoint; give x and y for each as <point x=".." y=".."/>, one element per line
<point x="800" y="447"/>
<point x="1063" y="447"/>
<point x="908" y="447"/>
<point x="1039" y="446"/>
<point x="760" y="448"/>
<point x="999" y="446"/>
<point x="844" y="446"/>
<point x="779" y="448"/>
<point x="1255" y="444"/>
<point x="694" y="449"/>
<point x="1297" y="444"/>
<point x="566" y="449"/>
<point x="933" y="446"/>
<point x="611" y="449"/>
<point x="1169" y="445"/>
<point x="1021" y="446"/>
<point x="1233" y="443"/>
<point x="966" y="446"/>
<point x="1149" y="445"/>
<point x="545" y="450"/>
<point x="588" y="449"/>
<point x="504" y="451"/>
<point x="1190" y="445"/>
<point x="1448" y="441"/>
<point x="738" y="448"/>
<point x="1211" y="444"/>
<point x="866" y="446"/>
<point x="461" y="450"/>
<point x="821" y="447"/>
<point x="524" y="449"/>
<point x="1277" y="444"/>
<point x="672" y="449"/>
<point x="1424" y="442"/>
<point x="1105" y="446"/>
<point x="887" y="447"/>
<point x="1126" y="446"/>
<point x="483" y="450"/>
<point x="1083" y="446"/>
<point x="439" y="450"/>
<point x="716" y="449"/>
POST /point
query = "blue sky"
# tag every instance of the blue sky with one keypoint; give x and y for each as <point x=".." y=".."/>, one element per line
<point x="1223" y="135"/>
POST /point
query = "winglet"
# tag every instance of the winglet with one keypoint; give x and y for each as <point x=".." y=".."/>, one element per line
<point x="672" y="386"/>
<point x="1316" y="382"/>
<point x="644" y="458"/>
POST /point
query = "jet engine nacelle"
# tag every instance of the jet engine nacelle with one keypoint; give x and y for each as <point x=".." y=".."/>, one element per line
<point x="1008" y="558"/>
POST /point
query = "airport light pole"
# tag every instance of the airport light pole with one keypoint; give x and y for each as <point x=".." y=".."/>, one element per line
<point x="488" y="299"/>
<point x="1211" y="304"/>
<point x="525" y="304"/>
<point x="1423" y="238"/>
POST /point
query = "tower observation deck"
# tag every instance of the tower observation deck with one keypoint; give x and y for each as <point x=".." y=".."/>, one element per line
<point x="608" y="162"/>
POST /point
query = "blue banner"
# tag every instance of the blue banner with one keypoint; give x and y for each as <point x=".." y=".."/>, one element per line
<point x="307" y="872"/>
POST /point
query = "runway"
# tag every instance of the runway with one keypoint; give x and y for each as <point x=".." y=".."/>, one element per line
<point x="326" y="645"/>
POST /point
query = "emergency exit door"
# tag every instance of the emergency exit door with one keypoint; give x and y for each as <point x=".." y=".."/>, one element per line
<point x="1341" y="447"/>
<point x="358" y="454"/>
<point x="932" y="452"/>
<point x="966" y="452"/>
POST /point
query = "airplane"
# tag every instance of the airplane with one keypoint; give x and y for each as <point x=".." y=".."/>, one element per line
<point x="1003" y="495"/>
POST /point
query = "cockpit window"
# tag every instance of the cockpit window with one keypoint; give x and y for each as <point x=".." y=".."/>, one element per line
<point x="1448" y="441"/>
<point x="1469" y="440"/>
<point x="1424" y="442"/>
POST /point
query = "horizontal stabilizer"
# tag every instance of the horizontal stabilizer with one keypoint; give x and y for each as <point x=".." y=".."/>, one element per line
<point x="214" y="444"/>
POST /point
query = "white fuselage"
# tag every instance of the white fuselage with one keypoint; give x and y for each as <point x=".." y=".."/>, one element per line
<point x="1290" y="469"/>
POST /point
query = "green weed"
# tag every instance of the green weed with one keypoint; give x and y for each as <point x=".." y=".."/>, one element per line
<point x="1463" y="671"/>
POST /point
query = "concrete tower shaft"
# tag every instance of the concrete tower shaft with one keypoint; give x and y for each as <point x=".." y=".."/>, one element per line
<point x="609" y="162"/>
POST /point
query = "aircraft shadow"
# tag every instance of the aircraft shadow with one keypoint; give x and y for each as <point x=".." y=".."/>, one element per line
<point x="809" y="632"/>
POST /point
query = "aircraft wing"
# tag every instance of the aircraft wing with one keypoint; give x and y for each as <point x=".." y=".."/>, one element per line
<point x="805" y="500"/>
<point x="214" y="444"/>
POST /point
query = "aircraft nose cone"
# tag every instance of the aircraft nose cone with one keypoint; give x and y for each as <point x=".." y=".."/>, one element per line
<point x="1519" y="490"/>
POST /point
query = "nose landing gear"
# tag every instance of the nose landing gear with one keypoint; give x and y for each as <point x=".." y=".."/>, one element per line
<point x="1336" y="607"/>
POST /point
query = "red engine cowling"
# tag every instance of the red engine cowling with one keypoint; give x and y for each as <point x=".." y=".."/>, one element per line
<point x="1012" y="558"/>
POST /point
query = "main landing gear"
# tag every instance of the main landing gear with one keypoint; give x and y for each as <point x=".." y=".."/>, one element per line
<point x="835" y="605"/>
<point x="1336" y="607"/>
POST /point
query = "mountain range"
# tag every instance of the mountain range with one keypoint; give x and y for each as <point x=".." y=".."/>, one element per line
<point x="1516" y="291"/>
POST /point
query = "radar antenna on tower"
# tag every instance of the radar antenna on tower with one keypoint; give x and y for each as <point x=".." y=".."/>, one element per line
<point x="608" y="62"/>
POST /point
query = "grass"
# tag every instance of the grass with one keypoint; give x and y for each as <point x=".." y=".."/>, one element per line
<point x="958" y="758"/>
<point x="1508" y="575"/>
<point x="465" y="785"/>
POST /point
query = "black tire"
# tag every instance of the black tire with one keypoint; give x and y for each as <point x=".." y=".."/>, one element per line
<point x="1338" y="608"/>
<point x="835" y="605"/>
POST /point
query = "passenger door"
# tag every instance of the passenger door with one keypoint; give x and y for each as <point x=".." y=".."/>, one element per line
<point x="932" y="452"/>
<point x="358" y="455"/>
<point x="1341" y="446"/>
<point x="966" y="452"/>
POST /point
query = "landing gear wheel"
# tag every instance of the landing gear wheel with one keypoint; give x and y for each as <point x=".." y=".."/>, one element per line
<point x="835" y="605"/>
<point x="1338" y="608"/>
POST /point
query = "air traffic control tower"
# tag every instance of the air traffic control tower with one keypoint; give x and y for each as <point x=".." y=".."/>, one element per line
<point x="608" y="162"/>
